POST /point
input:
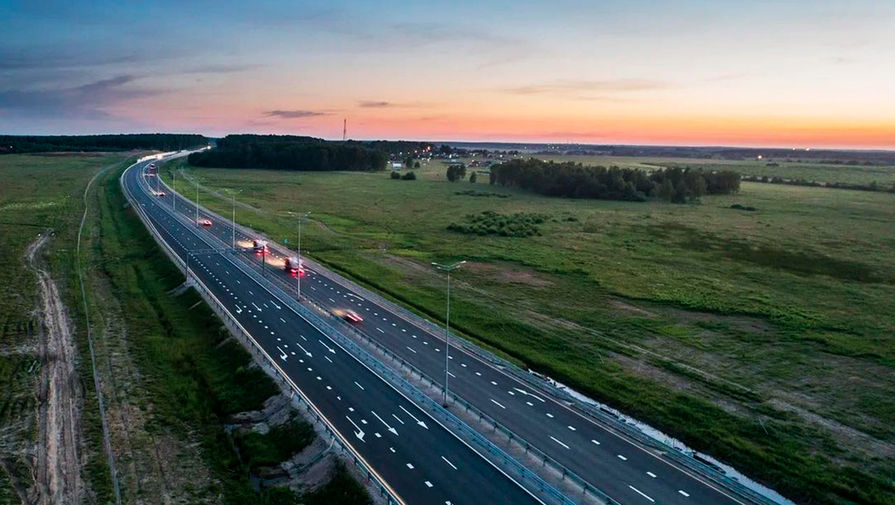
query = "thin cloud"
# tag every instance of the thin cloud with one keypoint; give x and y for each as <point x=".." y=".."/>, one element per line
<point x="295" y="114"/>
<point x="369" y="104"/>
<point x="563" y="86"/>
<point x="88" y="101"/>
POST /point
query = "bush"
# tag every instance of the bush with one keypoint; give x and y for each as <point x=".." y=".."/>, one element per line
<point x="456" y="172"/>
<point x="395" y="175"/>
<point x="409" y="176"/>
<point x="520" y="224"/>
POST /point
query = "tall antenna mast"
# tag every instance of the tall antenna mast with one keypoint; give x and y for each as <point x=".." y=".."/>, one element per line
<point x="344" y="129"/>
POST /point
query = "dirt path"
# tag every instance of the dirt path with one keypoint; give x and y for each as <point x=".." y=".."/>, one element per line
<point x="58" y="467"/>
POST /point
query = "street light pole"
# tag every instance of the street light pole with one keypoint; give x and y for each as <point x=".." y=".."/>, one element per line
<point x="447" y="327"/>
<point x="233" y="220"/>
<point x="298" y="275"/>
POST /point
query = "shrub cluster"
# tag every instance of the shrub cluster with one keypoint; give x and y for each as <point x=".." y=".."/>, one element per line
<point x="743" y="207"/>
<point x="408" y="176"/>
<point x="520" y="224"/>
<point x="486" y="194"/>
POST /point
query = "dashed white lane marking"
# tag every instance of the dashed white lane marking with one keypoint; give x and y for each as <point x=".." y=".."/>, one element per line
<point x="496" y="403"/>
<point x="572" y="428"/>
<point x="411" y="349"/>
<point x="493" y="383"/>
<point x="641" y="493"/>
<point x="379" y="330"/>
<point x="651" y="474"/>
<point x="358" y="385"/>
<point x="594" y="441"/>
<point x="684" y="493"/>
<point x="281" y="319"/>
<point x="622" y="457"/>
<point x="549" y="415"/>
<point x="558" y="441"/>
<point x="449" y="463"/>
<point x="409" y="466"/>
<point x="428" y="484"/>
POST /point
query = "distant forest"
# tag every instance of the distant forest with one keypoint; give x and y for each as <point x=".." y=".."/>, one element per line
<point x="574" y="180"/>
<point x="38" y="143"/>
<point x="288" y="152"/>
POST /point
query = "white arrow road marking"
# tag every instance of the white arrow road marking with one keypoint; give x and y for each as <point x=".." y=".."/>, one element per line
<point x="305" y="350"/>
<point x="641" y="493"/>
<point x="526" y="393"/>
<point x="257" y="307"/>
<point x="283" y="353"/>
<point x="391" y="429"/>
<point x="328" y="348"/>
<point x="559" y="442"/>
<point x="359" y="433"/>
<point x="413" y="417"/>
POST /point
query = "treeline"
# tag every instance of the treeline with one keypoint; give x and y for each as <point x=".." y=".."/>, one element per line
<point x="574" y="180"/>
<point x="284" y="152"/>
<point x="54" y="143"/>
<point x="872" y="186"/>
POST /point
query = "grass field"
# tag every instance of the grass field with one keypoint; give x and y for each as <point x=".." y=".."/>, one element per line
<point x="764" y="338"/>
<point x="37" y="193"/>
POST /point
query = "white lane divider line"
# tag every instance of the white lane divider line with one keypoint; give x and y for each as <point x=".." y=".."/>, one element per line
<point x="358" y="385"/>
<point x="641" y="493"/>
<point x="684" y="493"/>
<point x="598" y="443"/>
<point x="449" y="463"/>
<point x="622" y="457"/>
<point x="496" y="403"/>
<point x="651" y="474"/>
<point x="558" y="441"/>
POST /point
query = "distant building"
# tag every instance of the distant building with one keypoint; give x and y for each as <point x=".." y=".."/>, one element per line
<point x="397" y="165"/>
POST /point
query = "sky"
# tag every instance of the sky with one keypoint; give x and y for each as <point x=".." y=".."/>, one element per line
<point x="789" y="73"/>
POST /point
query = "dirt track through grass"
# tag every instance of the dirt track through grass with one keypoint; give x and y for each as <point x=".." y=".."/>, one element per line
<point x="58" y="468"/>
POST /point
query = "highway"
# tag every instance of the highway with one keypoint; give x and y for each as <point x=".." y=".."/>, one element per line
<point x="624" y="470"/>
<point x="421" y="461"/>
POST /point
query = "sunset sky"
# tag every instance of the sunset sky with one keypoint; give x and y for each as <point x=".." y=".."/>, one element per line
<point x="792" y="73"/>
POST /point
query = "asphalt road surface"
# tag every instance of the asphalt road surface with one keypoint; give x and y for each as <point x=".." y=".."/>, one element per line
<point x="419" y="459"/>
<point x="621" y="468"/>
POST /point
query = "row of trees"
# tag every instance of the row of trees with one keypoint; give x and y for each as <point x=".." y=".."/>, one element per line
<point x="77" y="143"/>
<point x="872" y="186"/>
<point x="579" y="181"/>
<point x="289" y="153"/>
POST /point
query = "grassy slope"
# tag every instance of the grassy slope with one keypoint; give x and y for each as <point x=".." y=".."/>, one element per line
<point x="196" y="377"/>
<point x="762" y="337"/>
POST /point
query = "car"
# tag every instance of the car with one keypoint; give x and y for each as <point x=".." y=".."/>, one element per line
<point x="293" y="266"/>
<point x="205" y="222"/>
<point x="260" y="246"/>
<point x="160" y="193"/>
<point x="352" y="316"/>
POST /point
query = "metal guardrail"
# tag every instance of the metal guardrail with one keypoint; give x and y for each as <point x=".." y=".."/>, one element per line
<point x="471" y="437"/>
<point x="385" y="491"/>
<point x="606" y="419"/>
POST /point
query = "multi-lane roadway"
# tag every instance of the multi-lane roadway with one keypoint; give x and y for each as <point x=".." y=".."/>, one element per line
<point x="622" y="469"/>
<point x="421" y="461"/>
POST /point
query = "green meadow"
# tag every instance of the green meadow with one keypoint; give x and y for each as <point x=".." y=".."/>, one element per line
<point x="764" y="337"/>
